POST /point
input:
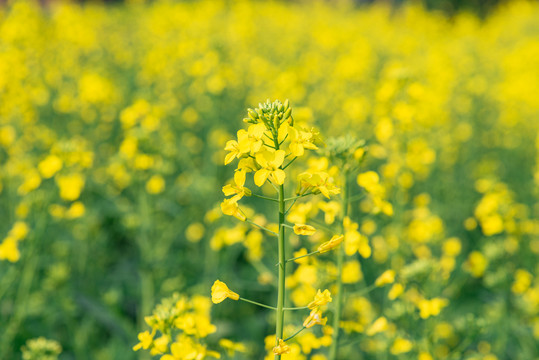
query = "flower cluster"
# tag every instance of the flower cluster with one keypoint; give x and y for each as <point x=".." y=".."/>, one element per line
<point x="178" y="327"/>
<point x="271" y="143"/>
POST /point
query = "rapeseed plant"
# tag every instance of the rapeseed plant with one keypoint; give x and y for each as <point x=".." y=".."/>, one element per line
<point x="271" y="144"/>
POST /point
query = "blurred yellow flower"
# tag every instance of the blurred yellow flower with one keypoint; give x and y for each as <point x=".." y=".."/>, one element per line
<point x="70" y="186"/>
<point x="302" y="229"/>
<point x="476" y="264"/>
<point x="9" y="250"/>
<point x="387" y="277"/>
<point x="282" y="348"/>
<point x="377" y="326"/>
<point x="50" y="166"/>
<point x="335" y="241"/>
<point x="219" y="292"/>
<point x="400" y="346"/>
<point x="146" y="340"/>
<point x="231" y="208"/>
<point x="315" y="318"/>
<point x="155" y="185"/>
<point x="320" y="299"/>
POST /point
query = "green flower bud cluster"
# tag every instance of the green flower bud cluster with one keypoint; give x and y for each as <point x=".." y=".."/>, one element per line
<point x="271" y="114"/>
<point x="347" y="150"/>
<point x="41" y="349"/>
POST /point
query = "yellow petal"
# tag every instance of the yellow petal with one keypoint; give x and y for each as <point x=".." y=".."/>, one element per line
<point x="261" y="176"/>
<point x="279" y="176"/>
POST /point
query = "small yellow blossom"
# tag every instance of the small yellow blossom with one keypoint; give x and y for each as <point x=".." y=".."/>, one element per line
<point x="282" y="348"/>
<point x="219" y="292"/>
<point x="238" y="190"/>
<point x="32" y="180"/>
<point x="155" y="185"/>
<point x="387" y="277"/>
<point x="424" y="356"/>
<point x="523" y="280"/>
<point x="431" y="307"/>
<point x="351" y="272"/>
<point x="231" y="208"/>
<point x="331" y="244"/>
<point x="377" y="326"/>
<point x="299" y="141"/>
<point x="50" y="166"/>
<point x="19" y="230"/>
<point x="315" y="318"/>
<point x="70" y="186"/>
<point x="400" y="346"/>
<point x="146" y="340"/>
<point x="396" y="291"/>
<point x="237" y="148"/>
<point x="76" y="210"/>
<point x="9" y="250"/>
<point x="194" y="232"/>
<point x="452" y="247"/>
<point x="319" y="182"/>
<point x="160" y="345"/>
<point x="270" y="163"/>
<point x="320" y="299"/>
<point x="476" y="264"/>
<point x="301" y="229"/>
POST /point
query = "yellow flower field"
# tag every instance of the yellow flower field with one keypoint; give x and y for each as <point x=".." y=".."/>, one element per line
<point x="140" y="162"/>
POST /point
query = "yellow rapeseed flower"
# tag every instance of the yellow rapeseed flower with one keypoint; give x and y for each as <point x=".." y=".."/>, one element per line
<point x="400" y="346"/>
<point x="396" y="291"/>
<point x="146" y="340"/>
<point x="9" y="250"/>
<point x="282" y="348"/>
<point x="270" y="163"/>
<point x="476" y="264"/>
<point x="299" y="141"/>
<point x="387" y="277"/>
<point x="50" y="166"/>
<point x="70" y="186"/>
<point x="231" y="208"/>
<point x="315" y="318"/>
<point x="19" y="230"/>
<point x="331" y="244"/>
<point x="302" y="229"/>
<point x="238" y="190"/>
<point x="155" y="185"/>
<point x="219" y="292"/>
<point x="320" y="299"/>
<point x="377" y="326"/>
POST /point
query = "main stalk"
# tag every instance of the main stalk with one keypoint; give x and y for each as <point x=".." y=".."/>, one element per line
<point x="340" y="260"/>
<point x="282" y="268"/>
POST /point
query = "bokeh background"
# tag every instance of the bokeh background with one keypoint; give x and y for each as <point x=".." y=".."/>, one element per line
<point x="113" y="120"/>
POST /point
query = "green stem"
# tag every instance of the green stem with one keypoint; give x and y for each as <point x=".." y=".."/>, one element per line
<point x="297" y="332"/>
<point x="259" y="304"/>
<point x="296" y="308"/>
<point x="297" y="197"/>
<point x="333" y="351"/>
<point x="282" y="272"/>
<point x="261" y="227"/>
<point x="290" y="162"/>
<point x="302" y="256"/>
<point x="265" y="197"/>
